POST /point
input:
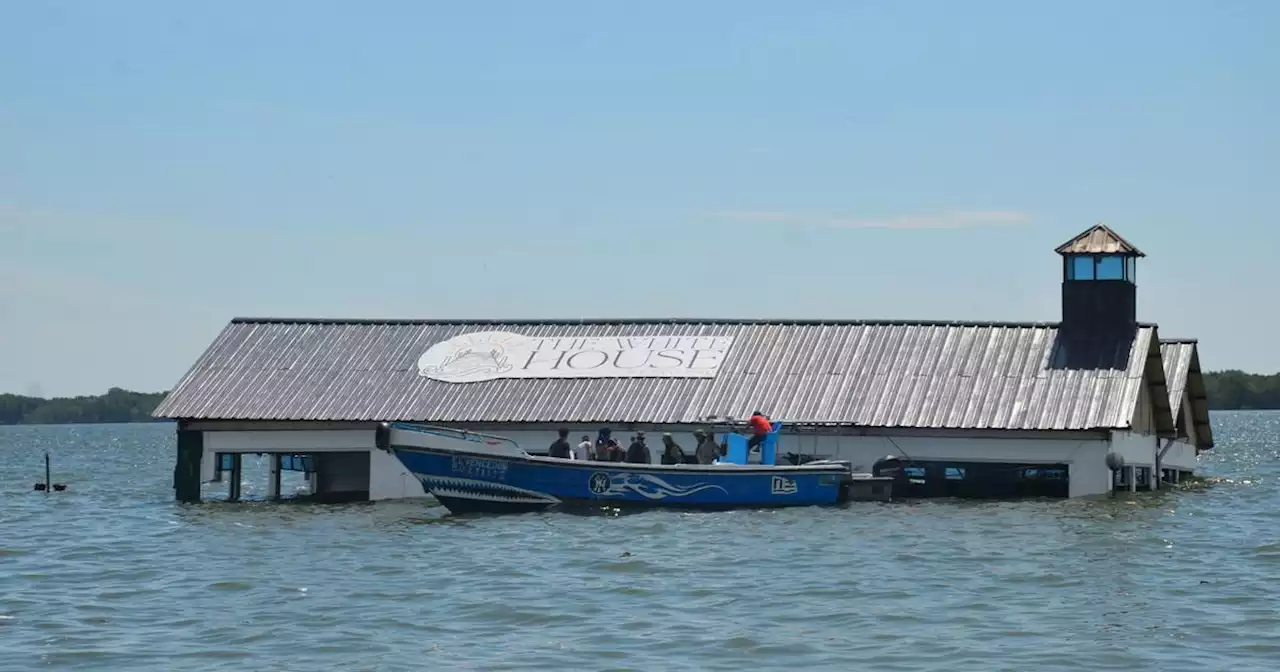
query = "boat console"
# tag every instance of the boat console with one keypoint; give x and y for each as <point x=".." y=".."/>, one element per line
<point x="737" y="453"/>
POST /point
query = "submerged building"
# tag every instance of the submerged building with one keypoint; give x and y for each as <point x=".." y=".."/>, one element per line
<point x="970" y="408"/>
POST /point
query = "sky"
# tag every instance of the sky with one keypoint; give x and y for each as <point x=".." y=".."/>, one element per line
<point x="165" y="167"/>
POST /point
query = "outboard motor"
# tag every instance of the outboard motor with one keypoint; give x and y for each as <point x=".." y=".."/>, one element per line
<point x="889" y="465"/>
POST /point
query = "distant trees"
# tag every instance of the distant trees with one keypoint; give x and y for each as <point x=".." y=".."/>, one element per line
<point x="116" y="405"/>
<point x="1237" y="390"/>
<point x="1228" y="390"/>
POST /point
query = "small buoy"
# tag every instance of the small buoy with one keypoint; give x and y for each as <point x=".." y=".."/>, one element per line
<point x="40" y="487"/>
<point x="59" y="486"/>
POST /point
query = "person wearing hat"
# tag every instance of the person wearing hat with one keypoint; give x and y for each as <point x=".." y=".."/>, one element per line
<point x="637" y="452"/>
<point x="707" y="450"/>
<point x="671" y="453"/>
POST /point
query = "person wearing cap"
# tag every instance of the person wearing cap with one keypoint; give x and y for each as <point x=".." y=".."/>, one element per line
<point x="671" y="453"/>
<point x="708" y="450"/>
<point x="637" y="452"/>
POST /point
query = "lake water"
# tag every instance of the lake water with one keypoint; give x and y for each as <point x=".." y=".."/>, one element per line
<point x="112" y="574"/>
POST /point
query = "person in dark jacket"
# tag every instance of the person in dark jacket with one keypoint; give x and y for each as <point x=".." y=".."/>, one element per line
<point x="671" y="452"/>
<point x="637" y="452"/>
<point x="561" y="447"/>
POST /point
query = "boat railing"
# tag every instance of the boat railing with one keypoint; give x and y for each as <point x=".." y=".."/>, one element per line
<point x="460" y="435"/>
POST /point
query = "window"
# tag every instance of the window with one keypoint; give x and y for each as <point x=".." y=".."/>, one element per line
<point x="1081" y="268"/>
<point x="1102" y="267"/>
<point x="1110" y="267"/>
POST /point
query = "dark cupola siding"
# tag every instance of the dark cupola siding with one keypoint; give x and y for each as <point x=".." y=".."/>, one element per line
<point x="1099" y="293"/>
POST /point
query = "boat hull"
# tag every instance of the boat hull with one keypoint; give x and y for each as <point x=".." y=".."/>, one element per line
<point x="467" y="482"/>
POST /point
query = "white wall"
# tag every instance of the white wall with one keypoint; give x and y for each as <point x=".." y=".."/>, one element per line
<point x="291" y="441"/>
<point x="861" y="451"/>
<point x="1181" y="455"/>
<point x="1138" y="450"/>
<point x="388" y="479"/>
<point x="1086" y="457"/>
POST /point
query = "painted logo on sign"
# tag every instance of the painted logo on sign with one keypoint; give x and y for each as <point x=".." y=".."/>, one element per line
<point x="783" y="486"/>
<point x="489" y="355"/>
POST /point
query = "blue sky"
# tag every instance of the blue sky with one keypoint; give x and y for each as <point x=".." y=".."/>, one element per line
<point x="167" y="166"/>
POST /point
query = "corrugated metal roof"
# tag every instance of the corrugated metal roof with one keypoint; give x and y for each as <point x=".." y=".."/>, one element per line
<point x="872" y="374"/>
<point x="1099" y="239"/>
<point x="1182" y="371"/>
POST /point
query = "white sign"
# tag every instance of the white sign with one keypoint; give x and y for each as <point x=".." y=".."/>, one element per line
<point x="488" y="355"/>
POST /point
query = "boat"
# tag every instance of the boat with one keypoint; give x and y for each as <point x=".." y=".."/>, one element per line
<point x="473" y="472"/>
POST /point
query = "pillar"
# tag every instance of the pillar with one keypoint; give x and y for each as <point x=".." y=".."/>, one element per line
<point x="233" y="491"/>
<point x="1131" y="472"/>
<point x="186" y="470"/>
<point x="273" y="476"/>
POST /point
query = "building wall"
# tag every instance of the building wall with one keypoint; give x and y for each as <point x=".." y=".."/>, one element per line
<point x="1181" y="455"/>
<point x="1086" y="457"/>
<point x="1144" y="420"/>
<point x="388" y="479"/>
<point x="1188" y="417"/>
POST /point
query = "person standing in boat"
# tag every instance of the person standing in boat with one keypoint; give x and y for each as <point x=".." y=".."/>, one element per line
<point x="586" y="449"/>
<point x="638" y="452"/>
<point x="708" y="450"/>
<point x="760" y="428"/>
<point x="672" y="453"/>
<point x="561" y="449"/>
<point x="603" y="440"/>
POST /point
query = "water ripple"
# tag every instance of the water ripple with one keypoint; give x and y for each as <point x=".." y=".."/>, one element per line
<point x="113" y="575"/>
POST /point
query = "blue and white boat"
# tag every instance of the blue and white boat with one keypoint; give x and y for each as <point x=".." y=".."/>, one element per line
<point x="470" y="472"/>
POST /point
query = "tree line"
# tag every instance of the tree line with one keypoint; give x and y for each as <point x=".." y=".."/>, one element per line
<point x="1228" y="390"/>
<point x="1237" y="390"/>
<point x="116" y="405"/>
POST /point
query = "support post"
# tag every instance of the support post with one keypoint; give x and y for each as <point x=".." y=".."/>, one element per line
<point x="273" y="476"/>
<point x="48" y="480"/>
<point x="1132" y="475"/>
<point x="233" y="494"/>
<point x="186" y="470"/>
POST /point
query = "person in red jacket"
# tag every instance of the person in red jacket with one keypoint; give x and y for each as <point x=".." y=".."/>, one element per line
<point x="760" y="428"/>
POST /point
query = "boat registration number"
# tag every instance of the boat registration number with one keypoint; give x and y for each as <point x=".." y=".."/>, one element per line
<point x="494" y="470"/>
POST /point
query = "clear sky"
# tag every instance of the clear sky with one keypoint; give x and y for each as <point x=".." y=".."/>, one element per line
<point x="167" y="166"/>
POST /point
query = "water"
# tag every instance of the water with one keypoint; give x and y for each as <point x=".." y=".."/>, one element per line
<point x="111" y="574"/>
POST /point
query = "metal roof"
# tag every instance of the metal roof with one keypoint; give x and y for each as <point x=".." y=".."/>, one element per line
<point x="1017" y="376"/>
<point x="1099" y="239"/>
<point x="1182" y="371"/>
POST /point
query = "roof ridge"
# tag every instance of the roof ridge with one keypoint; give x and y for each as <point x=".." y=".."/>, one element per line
<point x="653" y="321"/>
